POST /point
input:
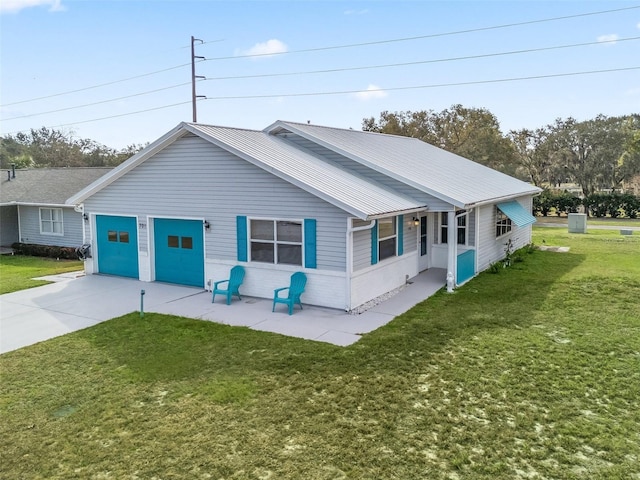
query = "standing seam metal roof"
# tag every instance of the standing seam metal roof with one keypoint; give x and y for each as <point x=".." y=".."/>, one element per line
<point x="428" y="168"/>
<point x="358" y="196"/>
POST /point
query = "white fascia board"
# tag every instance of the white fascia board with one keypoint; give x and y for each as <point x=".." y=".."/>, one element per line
<point x="504" y="198"/>
<point x="144" y="154"/>
<point x="362" y="161"/>
<point x="46" y="205"/>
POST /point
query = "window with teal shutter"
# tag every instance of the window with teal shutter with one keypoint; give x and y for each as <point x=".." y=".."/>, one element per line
<point x="241" y="237"/>
<point x="310" y="243"/>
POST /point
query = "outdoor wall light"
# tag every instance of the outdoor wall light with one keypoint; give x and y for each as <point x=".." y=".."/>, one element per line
<point x="416" y="222"/>
<point x="206" y="225"/>
<point x="86" y="217"/>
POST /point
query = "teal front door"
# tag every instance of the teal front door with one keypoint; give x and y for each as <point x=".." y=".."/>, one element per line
<point x="179" y="251"/>
<point x="117" y="241"/>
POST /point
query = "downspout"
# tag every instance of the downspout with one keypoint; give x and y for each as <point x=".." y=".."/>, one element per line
<point x="80" y="209"/>
<point x="349" y="270"/>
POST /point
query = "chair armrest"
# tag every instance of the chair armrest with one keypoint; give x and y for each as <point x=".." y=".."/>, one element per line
<point x="215" y="284"/>
<point x="278" y="290"/>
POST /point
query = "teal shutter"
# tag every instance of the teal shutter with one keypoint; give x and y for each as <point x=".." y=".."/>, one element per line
<point x="241" y="237"/>
<point x="374" y="244"/>
<point x="310" y="243"/>
<point x="400" y="234"/>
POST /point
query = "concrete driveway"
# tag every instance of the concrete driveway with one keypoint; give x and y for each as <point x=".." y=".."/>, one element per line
<point x="75" y="302"/>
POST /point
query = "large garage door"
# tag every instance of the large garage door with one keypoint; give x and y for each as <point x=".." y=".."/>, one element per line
<point x="117" y="245"/>
<point x="179" y="252"/>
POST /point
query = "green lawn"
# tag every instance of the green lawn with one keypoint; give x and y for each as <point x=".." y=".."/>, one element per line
<point x="530" y="373"/>
<point x="17" y="271"/>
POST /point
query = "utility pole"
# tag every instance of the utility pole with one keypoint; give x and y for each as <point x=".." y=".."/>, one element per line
<point x="194" y="97"/>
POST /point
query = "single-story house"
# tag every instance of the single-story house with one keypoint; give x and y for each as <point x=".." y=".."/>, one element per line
<point x="33" y="208"/>
<point x="359" y="212"/>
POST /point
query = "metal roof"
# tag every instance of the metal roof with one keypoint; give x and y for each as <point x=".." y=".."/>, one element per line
<point x="47" y="186"/>
<point x="447" y="176"/>
<point x="358" y="196"/>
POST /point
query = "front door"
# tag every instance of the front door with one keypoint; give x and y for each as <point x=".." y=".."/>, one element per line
<point x="423" y="262"/>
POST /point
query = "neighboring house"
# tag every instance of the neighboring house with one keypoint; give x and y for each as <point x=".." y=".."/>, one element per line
<point x="33" y="209"/>
<point x="360" y="213"/>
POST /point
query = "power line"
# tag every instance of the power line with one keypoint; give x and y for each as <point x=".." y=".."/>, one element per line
<point x="420" y="62"/>
<point x="96" y="86"/>
<point x="97" y="103"/>
<point x="437" y="85"/>
<point x="421" y="37"/>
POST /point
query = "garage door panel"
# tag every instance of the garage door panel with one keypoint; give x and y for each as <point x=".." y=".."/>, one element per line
<point x="179" y="251"/>
<point x="117" y="239"/>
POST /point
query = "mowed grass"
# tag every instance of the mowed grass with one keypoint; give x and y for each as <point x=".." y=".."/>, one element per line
<point x="533" y="372"/>
<point x="17" y="271"/>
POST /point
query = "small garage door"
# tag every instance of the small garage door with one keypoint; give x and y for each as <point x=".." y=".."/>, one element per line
<point x="117" y="245"/>
<point x="179" y="251"/>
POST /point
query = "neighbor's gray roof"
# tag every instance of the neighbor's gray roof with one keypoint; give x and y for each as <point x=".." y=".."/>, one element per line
<point x="47" y="186"/>
<point x="447" y="176"/>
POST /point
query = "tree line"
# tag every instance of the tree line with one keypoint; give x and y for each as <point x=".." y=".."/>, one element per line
<point x="600" y="154"/>
<point x="46" y="148"/>
<point x="596" y="155"/>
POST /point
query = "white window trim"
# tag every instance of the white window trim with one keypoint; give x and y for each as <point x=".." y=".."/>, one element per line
<point x="50" y="220"/>
<point x="508" y="224"/>
<point x="442" y="215"/>
<point x="275" y="242"/>
<point x="466" y="229"/>
<point x="394" y="235"/>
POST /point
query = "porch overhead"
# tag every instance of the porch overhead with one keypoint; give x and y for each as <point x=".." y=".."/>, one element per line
<point x="517" y="213"/>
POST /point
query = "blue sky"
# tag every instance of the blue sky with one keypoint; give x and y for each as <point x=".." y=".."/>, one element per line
<point x="50" y="47"/>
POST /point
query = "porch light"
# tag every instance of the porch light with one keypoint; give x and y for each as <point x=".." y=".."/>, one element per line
<point x="416" y="222"/>
<point x="85" y="217"/>
<point x="206" y="225"/>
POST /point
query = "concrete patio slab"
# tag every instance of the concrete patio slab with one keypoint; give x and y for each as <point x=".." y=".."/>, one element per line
<point x="75" y="302"/>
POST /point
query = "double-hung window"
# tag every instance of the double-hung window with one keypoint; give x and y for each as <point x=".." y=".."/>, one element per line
<point x="276" y="241"/>
<point x="503" y="223"/>
<point x="461" y="230"/>
<point x="387" y="237"/>
<point x="51" y="221"/>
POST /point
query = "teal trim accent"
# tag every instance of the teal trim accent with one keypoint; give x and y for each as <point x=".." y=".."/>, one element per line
<point x="310" y="243"/>
<point x="374" y="244"/>
<point x="517" y="213"/>
<point x="466" y="266"/>
<point x="400" y="235"/>
<point x="241" y="237"/>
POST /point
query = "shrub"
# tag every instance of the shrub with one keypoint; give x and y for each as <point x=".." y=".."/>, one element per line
<point x="51" y="251"/>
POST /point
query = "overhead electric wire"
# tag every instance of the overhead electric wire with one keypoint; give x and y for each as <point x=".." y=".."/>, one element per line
<point x="421" y="37"/>
<point x="95" y="86"/>
<point x="419" y="62"/>
<point x="416" y="87"/>
<point x="97" y="103"/>
<point x="379" y="42"/>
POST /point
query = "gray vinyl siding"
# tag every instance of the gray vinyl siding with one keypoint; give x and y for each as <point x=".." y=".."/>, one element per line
<point x="194" y="179"/>
<point x="492" y="249"/>
<point x="8" y="225"/>
<point x="362" y="243"/>
<point x="423" y="198"/>
<point x="30" y="227"/>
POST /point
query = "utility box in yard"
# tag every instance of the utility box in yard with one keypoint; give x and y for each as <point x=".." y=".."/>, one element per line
<point x="577" y="223"/>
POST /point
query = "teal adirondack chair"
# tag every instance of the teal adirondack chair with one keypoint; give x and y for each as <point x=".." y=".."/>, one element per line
<point x="295" y="289"/>
<point x="233" y="284"/>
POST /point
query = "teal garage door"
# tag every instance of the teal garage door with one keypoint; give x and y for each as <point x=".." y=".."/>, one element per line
<point x="117" y="245"/>
<point x="179" y="251"/>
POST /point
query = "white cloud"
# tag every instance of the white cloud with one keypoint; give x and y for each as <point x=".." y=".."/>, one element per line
<point x="14" y="6"/>
<point x="610" y="39"/>
<point x="266" y="49"/>
<point x="371" y="93"/>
